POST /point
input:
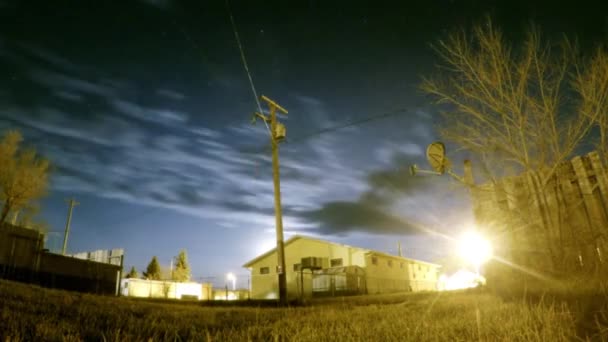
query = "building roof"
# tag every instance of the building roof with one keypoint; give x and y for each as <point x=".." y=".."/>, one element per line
<point x="298" y="237"/>
<point x="291" y="240"/>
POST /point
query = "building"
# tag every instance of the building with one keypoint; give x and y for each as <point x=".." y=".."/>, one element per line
<point x="144" y="288"/>
<point x="111" y="256"/>
<point x="317" y="267"/>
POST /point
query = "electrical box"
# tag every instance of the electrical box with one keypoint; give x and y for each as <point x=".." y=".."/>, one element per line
<point x="280" y="131"/>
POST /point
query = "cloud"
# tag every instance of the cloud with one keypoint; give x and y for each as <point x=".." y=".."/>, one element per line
<point x="344" y="217"/>
<point x="159" y="154"/>
<point x="57" y="80"/>
<point x="141" y="113"/>
<point x="372" y="211"/>
<point x="170" y="94"/>
<point x="396" y="180"/>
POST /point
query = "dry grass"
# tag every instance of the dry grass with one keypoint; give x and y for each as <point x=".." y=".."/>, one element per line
<point x="30" y="313"/>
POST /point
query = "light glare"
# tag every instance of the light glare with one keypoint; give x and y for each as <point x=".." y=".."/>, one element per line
<point x="463" y="279"/>
<point x="474" y="249"/>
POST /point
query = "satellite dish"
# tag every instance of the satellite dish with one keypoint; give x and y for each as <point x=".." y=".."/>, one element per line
<point x="435" y="154"/>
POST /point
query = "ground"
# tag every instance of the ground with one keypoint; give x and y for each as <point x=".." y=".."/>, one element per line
<point x="29" y="313"/>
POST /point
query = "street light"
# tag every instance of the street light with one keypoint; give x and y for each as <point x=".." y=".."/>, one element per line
<point x="474" y="249"/>
<point x="231" y="277"/>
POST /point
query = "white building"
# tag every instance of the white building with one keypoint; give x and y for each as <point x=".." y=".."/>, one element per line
<point x="145" y="288"/>
<point x="336" y="269"/>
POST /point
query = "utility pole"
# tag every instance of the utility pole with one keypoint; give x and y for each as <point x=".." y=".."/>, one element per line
<point x="15" y="217"/>
<point x="72" y="203"/>
<point x="277" y="133"/>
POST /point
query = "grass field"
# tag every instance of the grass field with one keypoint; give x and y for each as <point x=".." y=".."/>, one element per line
<point x="29" y="313"/>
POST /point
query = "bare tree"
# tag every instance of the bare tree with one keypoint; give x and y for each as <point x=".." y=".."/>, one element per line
<point x="521" y="109"/>
<point x="592" y="86"/>
<point x="28" y="217"/>
<point x="517" y="108"/>
<point x="23" y="174"/>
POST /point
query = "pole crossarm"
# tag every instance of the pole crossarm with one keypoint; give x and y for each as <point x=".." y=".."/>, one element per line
<point x="274" y="105"/>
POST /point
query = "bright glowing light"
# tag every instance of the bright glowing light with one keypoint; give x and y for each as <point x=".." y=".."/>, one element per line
<point x="474" y="249"/>
<point x="272" y="295"/>
<point x="231" y="277"/>
<point x="463" y="279"/>
<point x="265" y="245"/>
<point x="220" y="296"/>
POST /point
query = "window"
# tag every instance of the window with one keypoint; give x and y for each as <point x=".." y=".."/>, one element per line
<point x="336" y="262"/>
<point x="390" y="263"/>
<point x="400" y="265"/>
<point x="374" y="260"/>
<point x="264" y="270"/>
<point x="297" y="267"/>
<point x="419" y="268"/>
<point x="414" y="275"/>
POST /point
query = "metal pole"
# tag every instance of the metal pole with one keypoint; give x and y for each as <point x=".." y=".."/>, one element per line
<point x="72" y="203"/>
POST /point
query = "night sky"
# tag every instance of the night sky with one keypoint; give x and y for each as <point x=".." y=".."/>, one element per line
<point x="144" y="109"/>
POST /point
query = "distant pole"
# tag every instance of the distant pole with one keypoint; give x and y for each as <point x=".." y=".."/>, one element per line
<point x="72" y="203"/>
<point x="277" y="133"/>
<point x="15" y="217"/>
<point x="399" y="248"/>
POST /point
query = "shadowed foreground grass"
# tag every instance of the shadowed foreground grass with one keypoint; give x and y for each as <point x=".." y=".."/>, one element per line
<point x="30" y="313"/>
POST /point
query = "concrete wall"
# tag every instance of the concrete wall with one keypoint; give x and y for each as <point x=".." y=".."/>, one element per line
<point x="222" y="294"/>
<point x="165" y="289"/>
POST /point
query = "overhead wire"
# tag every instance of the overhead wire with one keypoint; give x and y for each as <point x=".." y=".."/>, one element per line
<point x="131" y="218"/>
<point x="353" y="123"/>
<point x="298" y="139"/>
<point x="244" y="61"/>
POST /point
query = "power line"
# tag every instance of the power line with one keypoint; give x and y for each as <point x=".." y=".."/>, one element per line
<point x="244" y="61"/>
<point x="254" y="91"/>
<point x="330" y="129"/>
<point x="349" y="124"/>
<point x="237" y="37"/>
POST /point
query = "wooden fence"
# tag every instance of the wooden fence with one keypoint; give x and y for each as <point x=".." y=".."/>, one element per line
<point x="547" y="224"/>
<point x="22" y="258"/>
